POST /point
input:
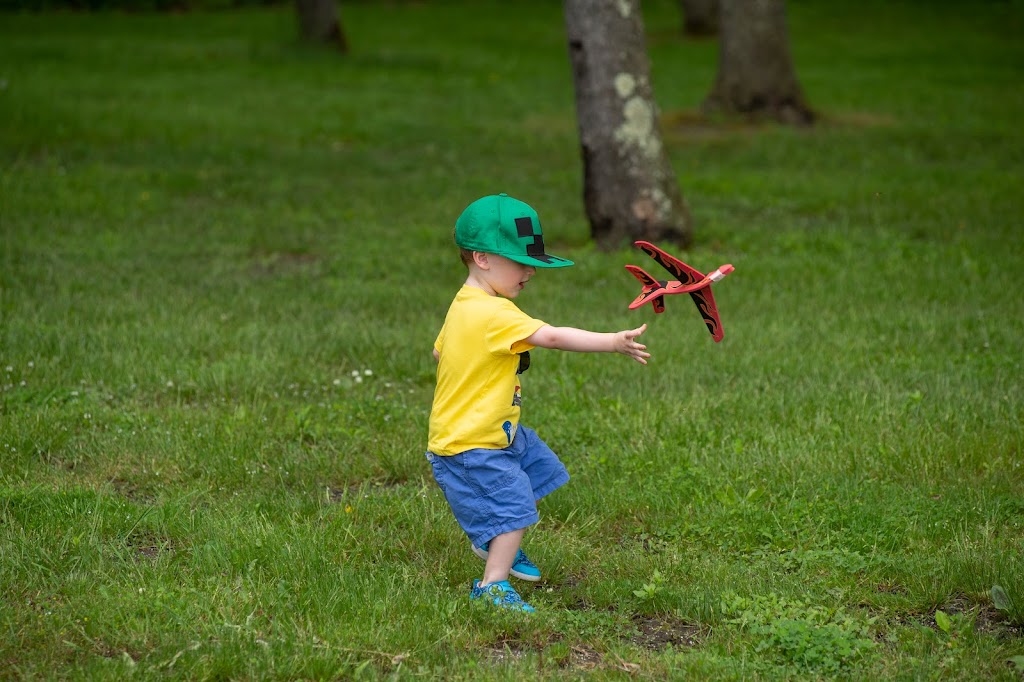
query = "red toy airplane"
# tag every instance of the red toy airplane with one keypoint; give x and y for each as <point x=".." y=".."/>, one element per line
<point x="696" y="284"/>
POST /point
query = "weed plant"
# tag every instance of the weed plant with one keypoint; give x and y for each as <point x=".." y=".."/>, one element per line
<point x="224" y="258"/>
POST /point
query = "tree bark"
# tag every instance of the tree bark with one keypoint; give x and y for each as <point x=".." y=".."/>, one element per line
<point x="319" y="23"/>
<point x="629" y="189"/>
<point x="755" y="70"/>
<point x="700" y="17"/>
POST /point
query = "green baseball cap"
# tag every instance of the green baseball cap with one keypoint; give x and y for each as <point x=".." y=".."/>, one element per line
<point x="508" y="227"/>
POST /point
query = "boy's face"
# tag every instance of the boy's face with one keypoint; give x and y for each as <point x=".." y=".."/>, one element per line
<point x="505" y="277"/>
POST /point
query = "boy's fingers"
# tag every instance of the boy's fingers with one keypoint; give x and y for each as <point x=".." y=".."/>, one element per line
<point x="633" y="333"/>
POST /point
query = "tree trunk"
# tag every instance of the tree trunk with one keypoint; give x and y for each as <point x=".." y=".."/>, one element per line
<point x="629" y="189"/>
<point x="755" y="69"/>
<point x="700" y="17"/>
<point x="319" y="23"/>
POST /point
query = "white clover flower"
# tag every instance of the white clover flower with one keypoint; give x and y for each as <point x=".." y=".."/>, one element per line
<point x="368" y="372"/>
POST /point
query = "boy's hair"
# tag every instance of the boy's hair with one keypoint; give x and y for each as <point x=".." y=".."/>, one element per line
<point x="465" y="255"/>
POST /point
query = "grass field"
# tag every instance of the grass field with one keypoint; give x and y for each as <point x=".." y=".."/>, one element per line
<point x="223" y="261"/>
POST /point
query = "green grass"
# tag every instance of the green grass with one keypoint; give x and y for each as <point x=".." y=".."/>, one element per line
<point x="224" y="257"/>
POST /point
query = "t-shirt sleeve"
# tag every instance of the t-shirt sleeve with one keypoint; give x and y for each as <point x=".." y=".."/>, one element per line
<point x="508" y="330"/>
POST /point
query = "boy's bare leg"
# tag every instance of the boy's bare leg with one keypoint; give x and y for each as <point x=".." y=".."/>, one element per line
<point x="501" y="552"/>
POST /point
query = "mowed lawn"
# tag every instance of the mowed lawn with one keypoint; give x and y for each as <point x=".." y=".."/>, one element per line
<point x="224" y="258"/>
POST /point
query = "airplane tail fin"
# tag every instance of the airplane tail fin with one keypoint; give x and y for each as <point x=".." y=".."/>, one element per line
<point x="647" y="294"/>
<point x="641" y="275"/>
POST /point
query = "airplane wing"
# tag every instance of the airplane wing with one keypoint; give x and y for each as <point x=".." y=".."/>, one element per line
<point x="709" y="311"/>
<point x="650" y="292"/>
<point x="683" y="272"/>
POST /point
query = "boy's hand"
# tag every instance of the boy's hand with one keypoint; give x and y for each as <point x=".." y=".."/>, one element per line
<point x="625" y="343"/>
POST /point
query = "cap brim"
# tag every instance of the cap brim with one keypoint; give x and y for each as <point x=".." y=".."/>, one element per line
<point x="543" y="261"/>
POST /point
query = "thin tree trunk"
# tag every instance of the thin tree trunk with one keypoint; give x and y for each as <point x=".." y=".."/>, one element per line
<point x="755" y="70"/>
<point x="319" y="23"/>
<point x="629" y="189"/>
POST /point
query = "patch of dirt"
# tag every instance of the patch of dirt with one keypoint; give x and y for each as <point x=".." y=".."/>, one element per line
<point x="355" y="491"/>
<point x="888" y="587"/>
<point x="656" y="633"/>
<point x="150" y="552"/>
<point x="132" y="491"/>
<point x="987" y="619"/>
<point x="673" y="36"/>
<point x="506" y="651"/>
<point x="991" y="621"/>
<point x="149" y="546"/>
<point x="583" y="657"/>
<point x="692" y="125"/>
<point x="274" y="263"/>
<point x="569" y="583"/>
<point x="653" y="633"/>
<point x="60" y="461"/>
<point x="552" y="125"/>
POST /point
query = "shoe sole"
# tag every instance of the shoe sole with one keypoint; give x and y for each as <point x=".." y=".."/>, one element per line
<point x="522" y="576"/>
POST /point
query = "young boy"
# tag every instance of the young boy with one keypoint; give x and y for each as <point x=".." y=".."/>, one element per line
<point x="491" y="469"/>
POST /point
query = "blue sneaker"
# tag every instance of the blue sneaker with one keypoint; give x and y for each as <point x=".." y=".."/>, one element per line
<point x="500" y="594"/>
<point x="522" y="568"/>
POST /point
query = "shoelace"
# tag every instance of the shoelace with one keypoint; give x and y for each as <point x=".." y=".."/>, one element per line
<point x="521" y="559"/>
<point x="509" y="596"/>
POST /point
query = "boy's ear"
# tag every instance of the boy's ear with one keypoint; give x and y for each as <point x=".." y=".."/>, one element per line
<point x="480" y="258"/>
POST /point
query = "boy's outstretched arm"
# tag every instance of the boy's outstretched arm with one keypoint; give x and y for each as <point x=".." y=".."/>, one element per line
<point x="583" y="341"/>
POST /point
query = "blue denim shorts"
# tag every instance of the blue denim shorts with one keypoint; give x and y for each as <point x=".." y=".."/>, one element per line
<point x="495" y="491"/>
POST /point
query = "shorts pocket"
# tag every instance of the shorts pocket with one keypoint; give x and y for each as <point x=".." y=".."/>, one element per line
<point x="439" y="471"/>
<point x="490" y="471"/>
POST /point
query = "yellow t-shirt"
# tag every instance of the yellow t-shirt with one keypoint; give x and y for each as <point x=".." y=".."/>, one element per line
<point x="478" y="396"/>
